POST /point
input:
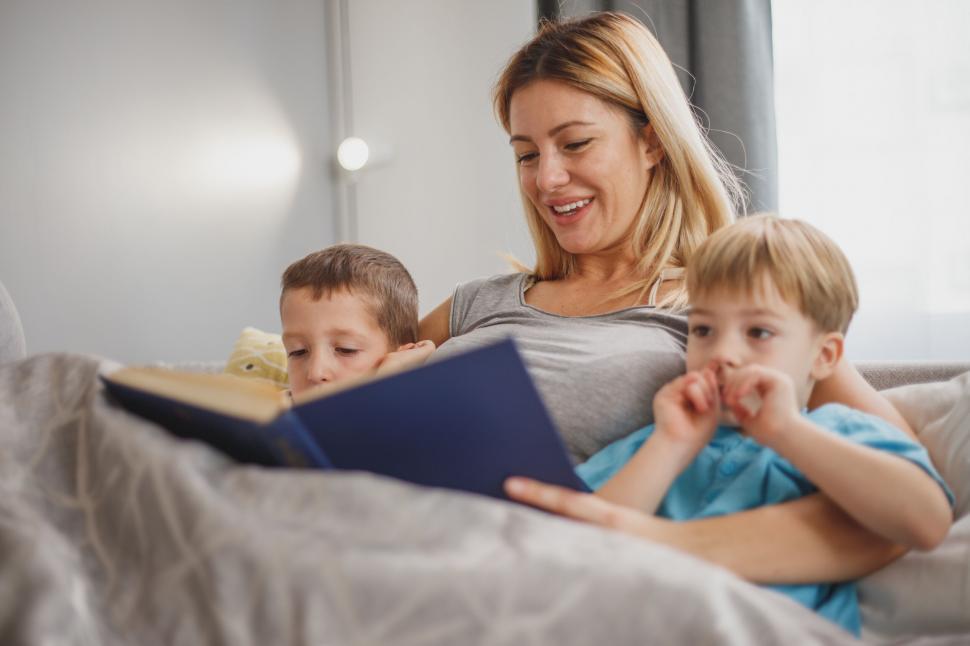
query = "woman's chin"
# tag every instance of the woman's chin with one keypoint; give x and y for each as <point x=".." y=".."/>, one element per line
<point x="575" y="243"/>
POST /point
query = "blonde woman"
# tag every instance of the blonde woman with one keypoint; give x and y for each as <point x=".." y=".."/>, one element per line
<point x="619" y="187"/>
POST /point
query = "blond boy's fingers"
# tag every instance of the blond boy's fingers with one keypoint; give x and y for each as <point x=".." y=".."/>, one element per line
<point x="696" y="395"/>
<point x="565" y="502"/>
<point x="711" y="379"/>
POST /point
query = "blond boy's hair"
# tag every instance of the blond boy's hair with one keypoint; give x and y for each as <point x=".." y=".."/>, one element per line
<point x="803" y="264"/>
<point x="375" y="275"/>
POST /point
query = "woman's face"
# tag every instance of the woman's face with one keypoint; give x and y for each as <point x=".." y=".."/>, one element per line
<point x="581" y="164"/>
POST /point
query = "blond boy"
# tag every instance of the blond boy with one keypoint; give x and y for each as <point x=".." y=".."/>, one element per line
<point x="770" y="302"/>
<point x="348" y="310"/>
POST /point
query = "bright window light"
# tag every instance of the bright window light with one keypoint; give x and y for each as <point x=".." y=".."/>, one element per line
<point x="873" y="109"/>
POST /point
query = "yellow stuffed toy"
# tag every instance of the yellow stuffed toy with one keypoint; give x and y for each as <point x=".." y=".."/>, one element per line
<point x="259" y="355"/>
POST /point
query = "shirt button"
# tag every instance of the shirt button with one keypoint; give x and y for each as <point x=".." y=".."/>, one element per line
<point x="729" y="468"/>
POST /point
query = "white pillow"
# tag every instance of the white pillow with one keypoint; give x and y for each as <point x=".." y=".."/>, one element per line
<point x="927" y="593"/>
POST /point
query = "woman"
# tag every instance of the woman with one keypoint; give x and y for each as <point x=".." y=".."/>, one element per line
<point x="619" y="187"/>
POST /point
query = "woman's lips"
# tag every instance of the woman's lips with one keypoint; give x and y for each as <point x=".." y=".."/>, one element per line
<point x="571" y="216"/>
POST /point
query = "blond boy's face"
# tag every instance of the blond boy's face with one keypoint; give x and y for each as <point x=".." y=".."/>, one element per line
<point x="329" y="339"/>
<point x="729" y="330"/>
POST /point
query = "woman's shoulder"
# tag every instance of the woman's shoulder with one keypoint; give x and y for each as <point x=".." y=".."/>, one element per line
<point x="492" y="288"/>
<point x="484" y="296"/>
<point x="498" y="281"/>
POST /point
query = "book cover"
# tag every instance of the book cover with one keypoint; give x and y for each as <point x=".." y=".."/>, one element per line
<point x="466" y="422"/>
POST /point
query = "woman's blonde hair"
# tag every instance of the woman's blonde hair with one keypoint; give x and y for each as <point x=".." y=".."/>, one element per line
<point x="693" y="191"/>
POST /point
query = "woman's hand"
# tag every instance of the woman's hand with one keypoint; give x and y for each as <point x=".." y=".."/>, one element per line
<point x="806" y="540"/>
<point x="586" y="507"/>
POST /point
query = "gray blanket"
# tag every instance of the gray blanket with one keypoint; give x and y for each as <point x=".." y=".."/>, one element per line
<point x="113" y="532"/>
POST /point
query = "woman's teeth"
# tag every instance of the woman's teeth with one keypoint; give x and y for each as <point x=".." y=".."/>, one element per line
<point x="566" y="209"/>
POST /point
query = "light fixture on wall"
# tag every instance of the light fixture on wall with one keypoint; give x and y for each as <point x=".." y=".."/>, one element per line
<point x="353" y="153"/>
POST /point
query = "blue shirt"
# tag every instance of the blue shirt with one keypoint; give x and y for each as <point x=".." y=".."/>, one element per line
<point x="733" y="473"/>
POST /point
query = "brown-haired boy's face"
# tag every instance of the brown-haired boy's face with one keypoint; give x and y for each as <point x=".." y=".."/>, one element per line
<point x="329" y="339"/>
<point x="730" y="329"/>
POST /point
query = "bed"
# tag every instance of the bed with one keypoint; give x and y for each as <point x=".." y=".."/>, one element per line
<point x="112" y="532"/>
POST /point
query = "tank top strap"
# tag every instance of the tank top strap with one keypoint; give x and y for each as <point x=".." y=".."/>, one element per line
<point x="670" y="273"/>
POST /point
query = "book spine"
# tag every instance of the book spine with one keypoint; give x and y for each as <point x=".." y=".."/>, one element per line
<point x="294" y="444"/>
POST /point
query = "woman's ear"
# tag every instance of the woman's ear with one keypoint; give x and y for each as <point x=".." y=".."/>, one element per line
<point x="828" y="355"/>
<point x="650" y="143"/>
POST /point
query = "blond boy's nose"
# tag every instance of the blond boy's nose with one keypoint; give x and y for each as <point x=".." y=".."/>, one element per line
<point x="722" y="363"/>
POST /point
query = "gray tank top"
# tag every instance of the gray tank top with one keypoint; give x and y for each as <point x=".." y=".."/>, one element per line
<point x="596" y="374"/>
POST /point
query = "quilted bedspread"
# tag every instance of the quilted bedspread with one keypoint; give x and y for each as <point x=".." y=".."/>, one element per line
<point x="114" y="532"/>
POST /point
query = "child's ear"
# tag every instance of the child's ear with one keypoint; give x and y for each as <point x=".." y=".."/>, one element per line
<point x="829" y="353"/>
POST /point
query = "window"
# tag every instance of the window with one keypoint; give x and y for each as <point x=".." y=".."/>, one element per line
<point x="873" y="108"/>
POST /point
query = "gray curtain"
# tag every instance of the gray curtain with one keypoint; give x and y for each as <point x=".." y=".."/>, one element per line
<point x="723" y="51"/>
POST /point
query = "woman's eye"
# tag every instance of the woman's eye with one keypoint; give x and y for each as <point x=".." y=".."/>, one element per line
<point x="525" y="158"/>
<point x="577" y="145"/>
<point x="700" y="330"/>
<point x="760" y="333"/>
<point x="346" y="352"/>
<point x="296" y="353"/>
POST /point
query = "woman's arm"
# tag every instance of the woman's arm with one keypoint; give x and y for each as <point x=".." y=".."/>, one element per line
<point x="803" y="541"/>
<point x="847" y="386"/>
<point x="436" y="325"/>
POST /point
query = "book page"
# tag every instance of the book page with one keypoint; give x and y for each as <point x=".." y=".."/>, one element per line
<point x="226" y="394"/>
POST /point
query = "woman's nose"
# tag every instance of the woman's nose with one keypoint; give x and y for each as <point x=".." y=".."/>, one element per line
<point x="552" y="173"/>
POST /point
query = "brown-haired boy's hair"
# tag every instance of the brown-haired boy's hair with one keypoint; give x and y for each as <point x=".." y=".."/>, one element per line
<point x="804" y="265"/>
<point x="364" y="271"/>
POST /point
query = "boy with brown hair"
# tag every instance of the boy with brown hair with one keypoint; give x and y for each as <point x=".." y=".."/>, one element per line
<point x="770" y="302"/>
<point x="348" y="310"/>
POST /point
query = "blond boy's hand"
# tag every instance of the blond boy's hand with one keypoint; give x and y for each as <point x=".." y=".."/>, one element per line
<point x="406" y="356"/>
<point x="686" y="410"/>
<point x="763" y="401"/>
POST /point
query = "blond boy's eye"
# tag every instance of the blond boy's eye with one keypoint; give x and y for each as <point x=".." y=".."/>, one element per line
<point x="760" y="333"/>
<point x="700" y="330"/>
<point x="347" y="352"/>
<point x="296" y="353"/>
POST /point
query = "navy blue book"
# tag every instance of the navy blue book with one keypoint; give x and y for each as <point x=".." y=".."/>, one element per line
<point x="466" y="422"/>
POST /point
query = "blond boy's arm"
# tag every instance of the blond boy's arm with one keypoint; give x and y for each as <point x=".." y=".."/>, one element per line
<point x="644" y="480"/>
<point x="685" y="411"/>
<point x="885" y="493"/>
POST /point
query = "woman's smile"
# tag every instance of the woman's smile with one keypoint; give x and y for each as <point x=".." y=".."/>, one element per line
<point x="569" y="211"/>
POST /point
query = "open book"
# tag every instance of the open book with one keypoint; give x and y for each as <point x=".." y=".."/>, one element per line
<point x="466" y="422"/>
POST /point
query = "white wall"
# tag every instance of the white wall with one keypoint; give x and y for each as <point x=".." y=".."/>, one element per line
<point x="446" y="201"/>
<point x="160" y="163"/>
